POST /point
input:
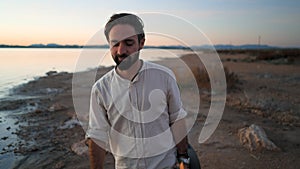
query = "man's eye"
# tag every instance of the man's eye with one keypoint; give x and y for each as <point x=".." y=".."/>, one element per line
<point x="129" y="44"/>
<point x="116" y="44"/>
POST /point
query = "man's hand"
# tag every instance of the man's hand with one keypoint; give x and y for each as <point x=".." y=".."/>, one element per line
<point x="96" y="154"/>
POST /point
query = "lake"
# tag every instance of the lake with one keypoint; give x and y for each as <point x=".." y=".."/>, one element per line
<point x="20" y="65"/>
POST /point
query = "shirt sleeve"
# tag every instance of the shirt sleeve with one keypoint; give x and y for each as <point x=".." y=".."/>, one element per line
<point x="98" y="123"/>
<point x="175" y="109"/>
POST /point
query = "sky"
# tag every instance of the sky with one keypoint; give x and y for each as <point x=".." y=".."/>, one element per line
<point x="236" y="22"/>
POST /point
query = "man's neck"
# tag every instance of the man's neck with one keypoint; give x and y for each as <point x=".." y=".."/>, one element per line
<point x="131" y="72"/>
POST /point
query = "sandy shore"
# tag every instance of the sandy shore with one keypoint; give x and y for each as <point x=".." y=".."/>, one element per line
<point x="265" y="93"/>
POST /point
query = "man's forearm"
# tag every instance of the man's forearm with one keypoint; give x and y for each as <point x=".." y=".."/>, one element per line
<point x="178" y="129"/>
<point x="182" y="146"/>
<point x="96" y="154"/>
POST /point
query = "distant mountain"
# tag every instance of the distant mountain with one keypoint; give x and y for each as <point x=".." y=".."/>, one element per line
<point x="202" y="47"/>
<point x="233" y="47"/>
<point x="36" y="46"/>
<point x="246" y="46"/>
<point x="167" y="47"/>
<point x="52" y="45"/>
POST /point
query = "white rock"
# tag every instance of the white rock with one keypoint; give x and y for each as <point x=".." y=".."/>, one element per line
<point x="80" y="148"/>
<point x="255" y="138"/>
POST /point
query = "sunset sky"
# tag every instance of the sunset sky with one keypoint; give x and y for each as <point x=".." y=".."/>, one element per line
<point x="236" y="22"/>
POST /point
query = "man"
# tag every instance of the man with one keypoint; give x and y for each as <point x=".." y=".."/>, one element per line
<point x="135" y="109"/>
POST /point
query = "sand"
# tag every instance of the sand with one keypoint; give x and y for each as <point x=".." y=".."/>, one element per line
<point x="266" y="94"/>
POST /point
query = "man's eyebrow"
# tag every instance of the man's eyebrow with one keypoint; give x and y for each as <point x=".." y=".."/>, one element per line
<point x="129" y="40"/>
<point x="114" y="41"/>
<point x="126" y="40"/>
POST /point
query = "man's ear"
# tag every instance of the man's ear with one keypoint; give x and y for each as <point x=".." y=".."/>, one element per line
<point x="142" y="42"/>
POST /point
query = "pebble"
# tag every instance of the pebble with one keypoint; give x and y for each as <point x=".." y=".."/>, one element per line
<point x="38" y="111"/>
<point x="59" y="165"/>
<point x="4" y="138"/>
<point x="33" y="149"/>
<point x="56" y="107"/>
<point x="51" y="73"/>
<point x="80" y="148"/>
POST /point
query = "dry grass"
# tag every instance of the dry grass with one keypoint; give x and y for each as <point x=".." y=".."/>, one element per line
<point x="290" y="56"/>
<point x="202" y="77"/>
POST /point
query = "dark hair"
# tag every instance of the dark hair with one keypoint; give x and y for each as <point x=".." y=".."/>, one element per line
<point x="125" y="18"/>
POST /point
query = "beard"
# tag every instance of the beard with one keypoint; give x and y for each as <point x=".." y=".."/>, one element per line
<point x="124" y="62"/>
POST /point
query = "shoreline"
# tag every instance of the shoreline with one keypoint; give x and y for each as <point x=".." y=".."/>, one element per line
<point x="46" y="132"/>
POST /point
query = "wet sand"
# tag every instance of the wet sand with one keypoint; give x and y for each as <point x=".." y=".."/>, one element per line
<point x="266" y="94"/>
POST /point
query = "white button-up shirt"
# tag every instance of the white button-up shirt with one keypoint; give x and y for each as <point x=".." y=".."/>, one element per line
<point x="134" y="118"/>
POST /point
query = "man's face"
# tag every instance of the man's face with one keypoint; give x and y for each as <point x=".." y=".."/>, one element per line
<point x="124" y="45"/>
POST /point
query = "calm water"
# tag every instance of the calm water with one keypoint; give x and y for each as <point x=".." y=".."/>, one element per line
<point x="19" y="66"/>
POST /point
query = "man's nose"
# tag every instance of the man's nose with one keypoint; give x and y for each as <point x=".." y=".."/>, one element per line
<point x="122" y="48"/>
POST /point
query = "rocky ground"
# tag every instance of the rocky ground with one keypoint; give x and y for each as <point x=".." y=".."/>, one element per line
<point x="264" y="93"/>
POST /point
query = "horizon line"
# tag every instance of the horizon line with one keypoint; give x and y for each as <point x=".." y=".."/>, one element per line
<point x="206" y="46"/>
